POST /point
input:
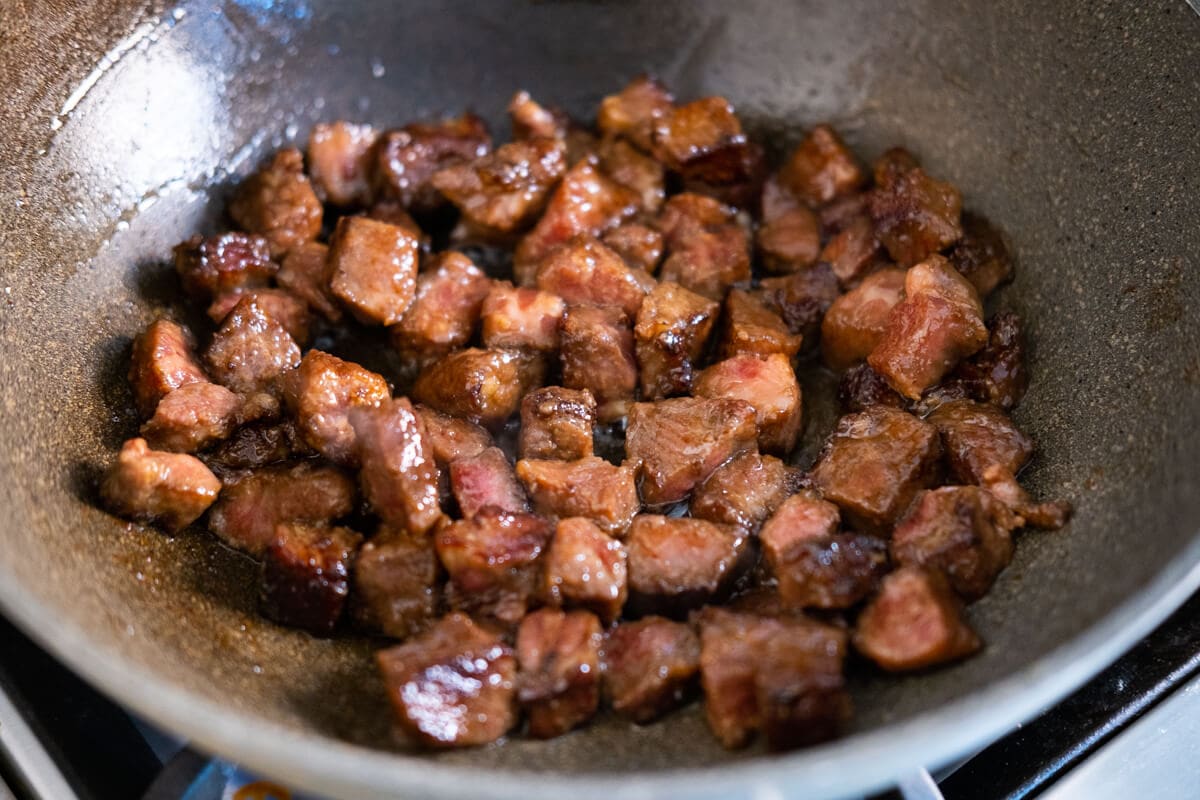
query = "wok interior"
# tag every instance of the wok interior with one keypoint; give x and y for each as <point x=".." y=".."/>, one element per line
<point x="1083" y="148"/>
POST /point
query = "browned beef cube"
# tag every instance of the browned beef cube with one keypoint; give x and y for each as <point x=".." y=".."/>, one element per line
<point x="585" y="272"/>
<point x="673" y="326"/>
<point x="192" y="417"/>
<point x="635" y="111"/>
<point x="769" y="385"/>
<point x="678" y="443"/>
<point x="678" y="563"/>
<point x="861" y="387"/>
<point x="750" y="328"/>
<point x="650" y="667"/>
<point x="915" y="216"/>
<point x="588" y="487"/>
<point x="745" y="191"/>
<point x="407" y="158"/>
<point x="791" y="241"/>
<point x="558" y="655"/>
<point x="634" y="170"/>
<point x="585" y="568"/>
<point x="557" y="423"/>
<point x="776" y="200"/>
<point x="744" y="491"/>
<point x="834" y="571"/>
<point x="853" y="251"/>
<point x="339" y="162"/>
<point x="168" y="489"/>
<point x="492" y="560"/>
<point x="504" y="191"/>
<point x="395" y="584"/>
<point x="374" y="269"/>
<point x="821" y="168"/>
<point x="251" y="349"/>
<point x="252" y="506"/>
<point x="597" y="354"/>
<point x="452" y="437"/>
<point x="519" y="317"/>
<point x="532" y="120"/>
<point x="306" y="273"/>
<point x="453" y="685"/>
<point x="485" y="386"/>
<point x="306" y="576"/>
<point x="163" y="359"/>
<point x="708" y="250"/>
<point x="802" y="299"/>
<point x="640" y="245"/>
<point x="278" y="203"/>
<point x="894" y="164"/>
<point x="703" y="140"/>
<point x="223" y="263"/>
<point x="803" y="517"/>
<point x="286" y="308"/>
<point x="997" y="373"/>
<point x="875" y="463"/>
<point x="444" y="310"/>
<point x="841" y="212"/>
<point x="399" y="475"/>
<point x="981" y="255"/>
<point x="254" y="446"/>
<point x="855" y="323"/>
<point x="486" y="481"/>
<point x="322" y="393"/>
<point x="914" y="622"/>
<point x="939" y="322"/>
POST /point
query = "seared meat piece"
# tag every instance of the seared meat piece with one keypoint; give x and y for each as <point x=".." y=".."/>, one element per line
<point x="532" y="120"/>
<point x="678" y="443"/>
<point x="163" y="359"/>
<point x="855" y="323"/>
<point x="769" y="385"/>
<point x="635" y="111"/>
<point x="915" y="216"/>
<point x="223" y="263"/>
<point x="339" y="162"/>
<point x="677" y="563"/>
<point x="557" y="423"/>
<point x="504" y="191"/>
<point x="585" y="568"/>
<point x="453" y="685"/>
<point x="306" y="273"/>
<point x="802" y="299"/>
<point x="707" y="249"/>
<point x="585" y="272"/>
<point x="486" y="481"/>
<point x="485" y="386"/>
<point x="280" y="304"/>
<point x="444" y="310"/>
<point x="744" y="491"/>
<point x="776" y="200"/>
<point x="634" y="170"/>
<point x="650" y="667"/>
<point x="673" y="326"/>
<point x="742" y="193"/>
<point x="588" y="487"/>
<point x="391" y="212"/>
<point x="399" y="476"/>
<point x="703" y="140"/>
<point x="997" y="374"/>
<point x="251" y="349"/>
<point x="306" y="576"/>
<point x="168" y="489"/>
<point x="791" y="241"/>
<point x="452" y="437"/>
<point x="875" y="463"/>
<point x="748" y="327"/>
<point x="254" y="446"/>
<point x="492" y="560"/>
<point x="821" y="168"/>
<point x="192" y="417"/>
<point x="374" y="268"/>
<point x="407" y="158"/>
<point x="862" y="387"/>
<point x="279" y="203"/>
<point x="558" y="655"/>
<point x="834" y="571"/>
<point x="521" y="317"/>
<point x="894" y="164"/>
<point x="939" y="322"/>
<point x="914" y="622"/>
<point x="839" y="213"/>
<point x="253" y="505"/>
<point x="981" y="255"/>
<point x="597" y="354"/>
<point x="803" y="517"/>
<point x="640" y="245"/>
<point x="395" y="584"/>
<point x="322" y="393"/>
<point x="853" y="251"/>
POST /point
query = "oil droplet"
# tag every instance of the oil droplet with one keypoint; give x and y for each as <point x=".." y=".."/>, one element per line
<point x="377" y="69"/>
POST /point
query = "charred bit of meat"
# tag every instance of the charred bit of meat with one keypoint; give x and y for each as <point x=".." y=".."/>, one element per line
<point x="306" y="576"/>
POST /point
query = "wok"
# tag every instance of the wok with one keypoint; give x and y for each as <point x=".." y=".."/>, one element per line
<point x="1074" y="125"/>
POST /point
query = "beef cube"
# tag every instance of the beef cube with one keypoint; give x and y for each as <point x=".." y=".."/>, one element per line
<point x="167" y="489"/>
<point x="407" y="158"/>
<point x="855" y="323"/>
<point x="678" y="443"/>
<point x="915" y="216"/>
<point x="485" y="386"/>
<point x="585" y="568"/>
<point x="504" y="191"/>
<point x="306" y="576"/>
<point x="279" y="204"/>
<point x="486" y="481"/>
<point x="673" y="326"/>
<point x="677" y="564"/>
<point x="650" y="667"/>
<point x="861" y="387"/>
<point x="557" y="423"/>
<point x="453" y="685"/>
<point x="399" y="476"/>
<point x="531" y="120"/>
<point x="635" y="111"/>
<point x="981" y="255"/>
<point x="280" y="304"/>
<point x="444" y="310"/>
<point x="835" y="571"/>
<point x="588" y="487"/>
<point x="251" y="349"/>
<point x="640" y="245"/>
<point x="875" y="463"/>
<point x="997" y="374"/>
<point x="841" y="212"/>
<point x="452" y="438"/>
<point x="750" y="328"/>
<point x="597" y="354"/>
<point x="822" y="168"/>
<point x="769" y="385"/>
<point x="802" y="299"/>
<point x="322" y="393"/>
<point x="163" y="359"/>
<point x="914" y="622"/>
<point x="252" y="505"/>
<point x="742" y="193"/>
<point x="803" y="517"/>
<point x="558" y="655"/>
<point x="939" y="322"/>
<point x="306" y="273"/>
<point x="791" y="241"/>
<point x="776" y="200"/>
<point x="254" y="446"/>
<point x="634" y="170"/>
<point x="374" y="269"/>
<point x="702" y="140"/>
<point x="521" y="318"/>
<point x="744" y="491"/>
<point x="193" y="417"/>
<point x="395" y="584"/>
<point x="493" y="562"/>
<point x="707" y="249"/>
<point x="585" y="272"/>
<point x="340" y="161"/>
<point x="223" y="263"/>
<point x="852" y="252"/>
<point x="895" y="163"/>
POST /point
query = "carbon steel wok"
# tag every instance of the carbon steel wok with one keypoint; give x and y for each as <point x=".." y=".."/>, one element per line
<point x="1075" y="126"/>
